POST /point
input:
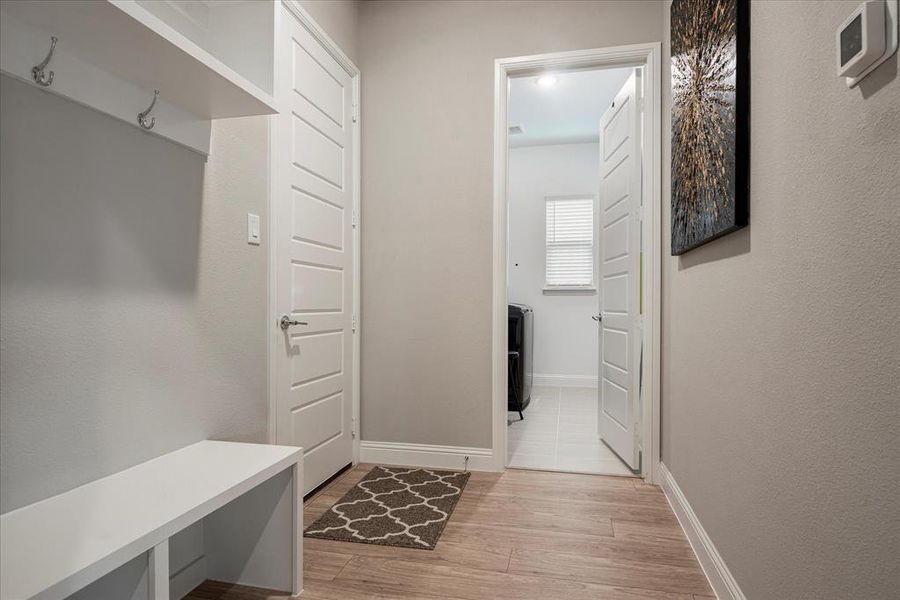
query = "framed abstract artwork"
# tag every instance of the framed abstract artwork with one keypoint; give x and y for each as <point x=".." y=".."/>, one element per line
<point x="710" y="120"/>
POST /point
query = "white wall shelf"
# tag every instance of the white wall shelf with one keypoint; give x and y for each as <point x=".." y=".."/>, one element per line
<point x="112" y="54"/>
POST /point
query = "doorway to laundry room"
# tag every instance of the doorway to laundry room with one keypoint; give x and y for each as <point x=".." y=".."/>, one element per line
<point x="574" y="270"/>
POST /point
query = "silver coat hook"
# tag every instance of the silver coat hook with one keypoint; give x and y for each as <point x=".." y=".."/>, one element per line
<point x="142" y="116"/>
<point x="37" y="72"/>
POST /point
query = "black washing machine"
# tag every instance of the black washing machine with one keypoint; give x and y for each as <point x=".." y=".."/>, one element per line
<point x="520" y="340"/>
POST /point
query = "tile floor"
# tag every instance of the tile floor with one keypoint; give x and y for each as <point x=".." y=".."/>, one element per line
<point x="559" y="433"/>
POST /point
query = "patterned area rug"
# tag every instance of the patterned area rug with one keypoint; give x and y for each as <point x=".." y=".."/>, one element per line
<point x="393" y="506"/>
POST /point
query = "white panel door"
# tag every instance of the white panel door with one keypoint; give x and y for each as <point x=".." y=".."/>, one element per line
<point x="312" y="209"/>
<point x="620" y="255"/>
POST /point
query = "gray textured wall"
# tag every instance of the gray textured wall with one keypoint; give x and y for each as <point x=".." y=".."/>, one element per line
<point x="427" y="186"/>
<point x="781" y="386"/>
<point x="132" y="311"/>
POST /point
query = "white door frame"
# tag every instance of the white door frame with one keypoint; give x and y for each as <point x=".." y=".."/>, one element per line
<point x="648" y="55"/>
<point x="275" y="335"/>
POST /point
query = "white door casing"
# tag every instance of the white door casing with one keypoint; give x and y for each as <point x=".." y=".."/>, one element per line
<point x="649" y="57"/>
<point x="620" y="255"/>
<point x="313" y="196"/>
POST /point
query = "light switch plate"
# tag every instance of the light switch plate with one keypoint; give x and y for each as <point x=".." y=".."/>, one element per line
<point x="253" y="229"/>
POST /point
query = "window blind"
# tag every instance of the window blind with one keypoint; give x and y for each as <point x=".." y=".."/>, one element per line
<point x="570" y="241"/>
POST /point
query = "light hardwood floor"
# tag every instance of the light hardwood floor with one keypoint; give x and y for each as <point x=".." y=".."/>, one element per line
<point x="519" y="535"/>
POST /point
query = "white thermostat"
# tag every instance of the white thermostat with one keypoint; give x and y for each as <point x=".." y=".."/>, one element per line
<point x="866" y="39"/>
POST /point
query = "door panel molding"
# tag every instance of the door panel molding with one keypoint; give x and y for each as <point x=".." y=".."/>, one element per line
<point x="314" y="189"/>
<point x="619" y="282"/>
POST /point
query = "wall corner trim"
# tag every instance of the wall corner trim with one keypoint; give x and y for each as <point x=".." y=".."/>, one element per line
<point x="720" y="578"/>
<point x="426" y="455"/>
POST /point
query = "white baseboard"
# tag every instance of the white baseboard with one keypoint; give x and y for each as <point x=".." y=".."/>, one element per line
<point x="589" y="381"/>
<point x="720" y="578"/>
<point x="426" y="455"/>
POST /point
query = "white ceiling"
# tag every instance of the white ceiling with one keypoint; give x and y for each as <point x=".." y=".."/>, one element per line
<point x="566" y="113"/>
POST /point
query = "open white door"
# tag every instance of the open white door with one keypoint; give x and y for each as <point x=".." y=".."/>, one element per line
<point x="620" y="255"/>
<point x="312" y="208"/>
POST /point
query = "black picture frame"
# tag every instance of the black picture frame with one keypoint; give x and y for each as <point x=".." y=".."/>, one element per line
<point x="710" y="194"/>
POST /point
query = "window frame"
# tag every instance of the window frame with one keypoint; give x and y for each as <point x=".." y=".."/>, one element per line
<point x="591" y="288"/>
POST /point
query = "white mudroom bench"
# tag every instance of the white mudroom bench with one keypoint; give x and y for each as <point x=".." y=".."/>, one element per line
<point x="248" y="497"/>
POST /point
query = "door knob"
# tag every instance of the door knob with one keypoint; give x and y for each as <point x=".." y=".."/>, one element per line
<point x="597" y="318"/>
<point x="286" y="322"/>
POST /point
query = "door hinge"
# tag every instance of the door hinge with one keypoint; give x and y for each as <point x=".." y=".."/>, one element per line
<point x="354" y="219"/>
<point x="353" y="427"/>
<point x="354" y="323"/>
<point x="355" y="112"/>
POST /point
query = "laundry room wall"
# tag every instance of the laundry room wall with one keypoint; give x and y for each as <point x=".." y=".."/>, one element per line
<point x="565" y="337"/>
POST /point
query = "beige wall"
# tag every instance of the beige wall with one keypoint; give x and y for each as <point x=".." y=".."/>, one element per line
<point x="781" y="386"/>
<point x="132" y="310"/>
<point x="427" y="114"/>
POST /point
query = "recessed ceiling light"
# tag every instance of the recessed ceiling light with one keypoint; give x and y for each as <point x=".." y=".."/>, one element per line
<point x="547" y="80"/>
